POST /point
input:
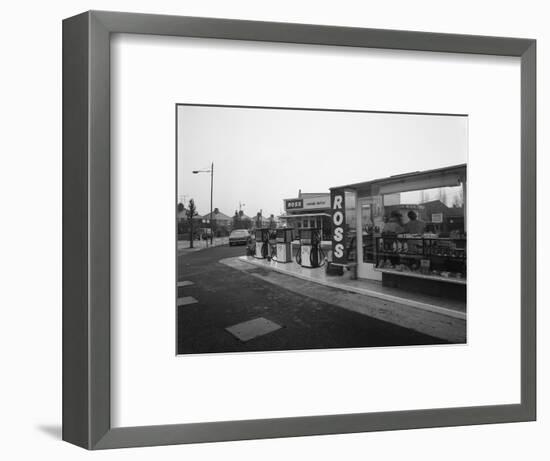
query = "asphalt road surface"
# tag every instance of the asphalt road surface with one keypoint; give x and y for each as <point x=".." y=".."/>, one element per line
<point x="226" y="297"/>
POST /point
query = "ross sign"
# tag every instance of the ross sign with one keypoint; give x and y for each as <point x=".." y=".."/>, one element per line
<point x="294" y="204"/>
<point x="318" y="202"/>
<point x="338" y="207"/>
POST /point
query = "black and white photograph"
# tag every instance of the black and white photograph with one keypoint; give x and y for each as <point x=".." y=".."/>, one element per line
<point x="302" y="229"/>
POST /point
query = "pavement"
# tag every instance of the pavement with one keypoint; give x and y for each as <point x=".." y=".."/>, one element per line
<point x="183" y="245"/>
<point x="371" y="288"/>
<point x="226" y="308"/>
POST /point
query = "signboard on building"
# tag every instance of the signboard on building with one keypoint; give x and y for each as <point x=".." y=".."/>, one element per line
<point x="294" y="204"/>
<point x="315" y="203"/>
<point x="318" y="202"/>
<point x="437" y="217"/>
<point x="338" y="208"/>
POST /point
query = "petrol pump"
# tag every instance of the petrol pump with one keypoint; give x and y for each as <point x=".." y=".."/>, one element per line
<point x="262" y="243"/>
<point x="283" y="242"/>
<point x="310" y="253"/>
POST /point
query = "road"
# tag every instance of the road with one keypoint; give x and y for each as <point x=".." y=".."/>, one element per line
<point x="226" y="296"/>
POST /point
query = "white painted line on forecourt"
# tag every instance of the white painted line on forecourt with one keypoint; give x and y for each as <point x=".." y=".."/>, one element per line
<point x="251" y="329"/>
<point x="185" y="283"/>
<point x="186" y="300"/>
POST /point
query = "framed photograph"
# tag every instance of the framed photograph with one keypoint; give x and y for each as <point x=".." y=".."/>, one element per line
<point x="275" y="230"/>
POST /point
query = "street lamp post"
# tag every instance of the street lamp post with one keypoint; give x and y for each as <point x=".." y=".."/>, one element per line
<point x="211" y="171"/>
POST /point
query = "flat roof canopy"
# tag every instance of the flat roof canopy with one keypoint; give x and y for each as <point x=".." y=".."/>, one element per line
<point x="439" y="177"/>
<point x="303" y="215"/>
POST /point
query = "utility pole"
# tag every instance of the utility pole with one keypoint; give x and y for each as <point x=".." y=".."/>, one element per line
<point x="211" y="171"/>
<point x="211" y="200"/>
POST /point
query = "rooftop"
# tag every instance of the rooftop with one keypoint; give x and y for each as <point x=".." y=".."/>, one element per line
<point x="461" y="168"/>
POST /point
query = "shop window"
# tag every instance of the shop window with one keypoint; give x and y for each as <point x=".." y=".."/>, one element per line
<point x="423" y="233"/>
<point x="438" y="211"/>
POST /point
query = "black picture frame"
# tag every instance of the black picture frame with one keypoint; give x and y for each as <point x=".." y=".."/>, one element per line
<point x="86" y="229"/>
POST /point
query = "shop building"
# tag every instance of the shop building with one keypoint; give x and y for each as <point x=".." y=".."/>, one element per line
<point x="308" y="210"/>
<point x="427" y="256"/>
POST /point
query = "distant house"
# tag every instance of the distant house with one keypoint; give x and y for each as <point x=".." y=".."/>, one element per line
<point x="181" y="214"/>
<point x="437" y="206"/>
<point x="218" y="218"/>
<point x="264" y="221"/>
<point x="241" y="221"/>
<point x="243" y="216"/>
<point x="183" y="221"/>
<point x="443" y="217"/>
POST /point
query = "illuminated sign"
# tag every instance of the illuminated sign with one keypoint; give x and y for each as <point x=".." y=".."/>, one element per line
<point x="317" y="202"/>
<point x="294" y="204"/>
<point x="338" y="206"/>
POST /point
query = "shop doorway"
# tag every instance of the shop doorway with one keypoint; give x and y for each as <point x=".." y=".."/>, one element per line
<point x="365" y="226"/>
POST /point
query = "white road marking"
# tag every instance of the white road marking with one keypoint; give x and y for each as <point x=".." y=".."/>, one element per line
<point x="185" y="283"/>
<point x="186" y="300"/>
<point x="251" y="329"/>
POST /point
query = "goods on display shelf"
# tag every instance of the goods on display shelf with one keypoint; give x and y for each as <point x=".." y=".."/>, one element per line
<point x="427" y="255"/>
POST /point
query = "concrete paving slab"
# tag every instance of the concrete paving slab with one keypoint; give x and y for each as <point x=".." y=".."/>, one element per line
<point x="251" y="329"/>
<point x="186" y="300"/>
<point x="185" y="283"/>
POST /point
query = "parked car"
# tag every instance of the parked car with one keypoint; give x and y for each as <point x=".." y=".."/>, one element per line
<point x="239" y="237"/>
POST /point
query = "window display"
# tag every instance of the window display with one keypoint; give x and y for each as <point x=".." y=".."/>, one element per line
<point x="423" y="235"/>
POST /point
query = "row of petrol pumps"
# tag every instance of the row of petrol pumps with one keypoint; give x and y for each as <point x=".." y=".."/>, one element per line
<point x="276" y="245"/>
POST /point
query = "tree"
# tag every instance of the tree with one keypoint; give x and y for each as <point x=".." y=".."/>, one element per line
<point x="423" y="196"/>
<point x="458" y="199"/>
<point x="191" y="212"/>
<point x="236" y="220"/>
<point x="181" y="220"/>
<point x="443" y="195"/>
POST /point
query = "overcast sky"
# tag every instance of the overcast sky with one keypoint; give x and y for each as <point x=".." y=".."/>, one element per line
<point x="262" y="156"/>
